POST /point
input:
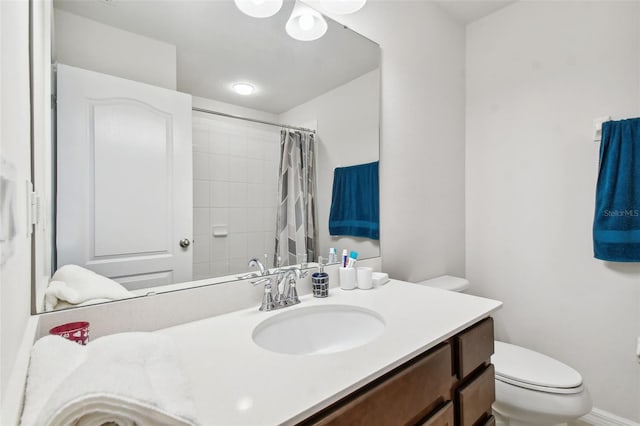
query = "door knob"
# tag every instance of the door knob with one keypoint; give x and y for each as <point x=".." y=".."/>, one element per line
<point x="184" y="243"/>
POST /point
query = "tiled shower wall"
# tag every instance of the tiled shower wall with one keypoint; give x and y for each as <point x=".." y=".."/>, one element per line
<point x="235" y="168"/>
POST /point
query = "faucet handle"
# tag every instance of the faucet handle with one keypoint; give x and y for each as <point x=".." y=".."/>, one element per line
<point x="292" y="295"/>
<point x="268" y="304"/>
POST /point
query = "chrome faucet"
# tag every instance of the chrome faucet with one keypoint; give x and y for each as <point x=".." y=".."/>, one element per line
<point x="285" y="291"/>
<point x="256" y="262"/>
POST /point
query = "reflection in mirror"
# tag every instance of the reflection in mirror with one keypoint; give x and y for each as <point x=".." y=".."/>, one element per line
<point x="165" y="177"/>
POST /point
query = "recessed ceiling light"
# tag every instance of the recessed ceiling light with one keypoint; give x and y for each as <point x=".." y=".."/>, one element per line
<point x="243" y="88"/>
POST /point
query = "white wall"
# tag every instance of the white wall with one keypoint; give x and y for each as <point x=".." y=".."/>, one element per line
<point x="84" y="43"/>
<point x="538" y="73"/>
<point x="348" y="134"/>
<point x="422" y="136"/>
<point x="14" y="150"/>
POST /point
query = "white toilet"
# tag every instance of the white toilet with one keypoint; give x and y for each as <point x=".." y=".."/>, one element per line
<point x="531" y="388"/>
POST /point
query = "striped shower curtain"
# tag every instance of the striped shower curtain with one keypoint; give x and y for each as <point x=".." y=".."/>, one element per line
<point x="296" y="216"/>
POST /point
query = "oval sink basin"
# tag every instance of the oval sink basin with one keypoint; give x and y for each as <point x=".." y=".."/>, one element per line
<point x="318" y="330"/>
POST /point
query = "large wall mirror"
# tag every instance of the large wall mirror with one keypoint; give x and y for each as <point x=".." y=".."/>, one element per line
<point x="160" y="175"/>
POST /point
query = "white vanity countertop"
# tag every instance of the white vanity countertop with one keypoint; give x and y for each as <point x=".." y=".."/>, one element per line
<point x="235" y="382"/>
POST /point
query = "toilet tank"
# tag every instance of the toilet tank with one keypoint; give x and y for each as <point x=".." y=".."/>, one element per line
<point x="447" y="282"/>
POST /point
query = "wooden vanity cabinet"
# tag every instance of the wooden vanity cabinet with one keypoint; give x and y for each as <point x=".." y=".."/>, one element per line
<point x="474" y="391"/>
<point x="449" y="385"/>
<point x="402" y="397"/>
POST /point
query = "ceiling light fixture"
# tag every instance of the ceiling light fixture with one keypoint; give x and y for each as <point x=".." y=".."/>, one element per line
<point x="305" y="23"/>
<point x="259" y="8"/>
<point x="243" y="89"/>
<point x="342" y="7"/>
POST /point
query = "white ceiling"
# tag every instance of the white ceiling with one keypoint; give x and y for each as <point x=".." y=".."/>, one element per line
<point x="217" y="45"/>
<point x="466" y="11"/>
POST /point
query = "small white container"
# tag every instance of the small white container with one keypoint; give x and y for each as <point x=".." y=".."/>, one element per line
<point x="380" y="279"/>
<point x="365" y="277"/>
<point x="347" y="278"/>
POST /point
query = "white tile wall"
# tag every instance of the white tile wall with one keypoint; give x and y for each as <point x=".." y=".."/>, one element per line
<point x="235" y="185"/>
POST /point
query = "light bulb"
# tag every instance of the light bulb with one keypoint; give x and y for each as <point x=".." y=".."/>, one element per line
<point x="259" y="8"/>
<point x="306" y="22"/>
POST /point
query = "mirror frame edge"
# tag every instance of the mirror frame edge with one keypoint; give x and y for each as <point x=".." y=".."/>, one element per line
<point x="40" y="79"/>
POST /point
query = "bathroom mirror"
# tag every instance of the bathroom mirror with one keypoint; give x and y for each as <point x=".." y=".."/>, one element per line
<point x="200" y="49"/>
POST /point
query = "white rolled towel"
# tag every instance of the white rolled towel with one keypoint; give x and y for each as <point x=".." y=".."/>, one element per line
<point x="124" y="379"/>
<point x="75" y="285"/>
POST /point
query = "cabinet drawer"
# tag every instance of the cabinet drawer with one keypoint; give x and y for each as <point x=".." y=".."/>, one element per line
<point x="475" y="398"/>
<point x="442" y="417"/>
<point x="474" y="347"/>
<point x="401" y="397"/>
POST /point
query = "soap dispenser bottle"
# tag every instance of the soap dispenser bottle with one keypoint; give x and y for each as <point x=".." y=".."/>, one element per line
<point x="320" y="280"/>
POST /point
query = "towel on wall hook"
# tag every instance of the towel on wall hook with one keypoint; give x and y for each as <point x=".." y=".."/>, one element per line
<point x="616" y="224"/>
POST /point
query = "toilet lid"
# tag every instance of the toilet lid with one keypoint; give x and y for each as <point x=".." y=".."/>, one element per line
<point x="529" y="369"/>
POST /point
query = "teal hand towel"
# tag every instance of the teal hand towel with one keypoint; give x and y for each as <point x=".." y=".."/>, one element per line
<point x="355" y="202"/>
<point x="616" y="225"/>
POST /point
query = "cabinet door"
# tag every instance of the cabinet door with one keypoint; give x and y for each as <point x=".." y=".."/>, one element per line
<point x="475" y="398"/>
<point x="401" y="398"/>
<point x="442" y="417"/>
<point x="474" y="347"/>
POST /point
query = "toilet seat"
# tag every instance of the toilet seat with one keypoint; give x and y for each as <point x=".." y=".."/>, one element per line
<point x="528" y="369"/>
<point x="547" y="389"/>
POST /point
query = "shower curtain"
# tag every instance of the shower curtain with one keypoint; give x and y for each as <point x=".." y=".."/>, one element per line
<point x="296" y="216"/>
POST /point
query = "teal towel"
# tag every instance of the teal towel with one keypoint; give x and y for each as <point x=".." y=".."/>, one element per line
<point x="355" y="202"/>
<point x="616" y="225"/>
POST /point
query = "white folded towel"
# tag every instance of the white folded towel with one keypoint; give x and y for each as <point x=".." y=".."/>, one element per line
<point x="124" y="379"/>
<point x="72" y="284"/>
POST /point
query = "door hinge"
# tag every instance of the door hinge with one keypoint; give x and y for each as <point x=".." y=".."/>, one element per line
<point x="33" y="206"/>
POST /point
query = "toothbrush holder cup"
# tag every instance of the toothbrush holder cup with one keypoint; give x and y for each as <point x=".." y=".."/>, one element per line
<point x="347" y="278"/>
<point x="365" y="278"/>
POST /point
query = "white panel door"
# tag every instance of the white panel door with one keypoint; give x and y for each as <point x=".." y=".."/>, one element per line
<point x="124" y="179"/>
